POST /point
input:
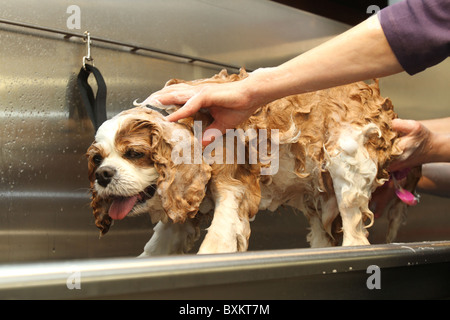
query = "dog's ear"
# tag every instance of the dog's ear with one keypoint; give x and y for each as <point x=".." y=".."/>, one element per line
<point x="182" y="181"/>
<point x="102" y="220"/>
<point x="182" y="188"/>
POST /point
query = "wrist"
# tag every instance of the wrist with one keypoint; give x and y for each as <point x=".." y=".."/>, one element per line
<point x="257" y="85"/>
<point x="265" y="85"/>
<point x="440" y="148"/>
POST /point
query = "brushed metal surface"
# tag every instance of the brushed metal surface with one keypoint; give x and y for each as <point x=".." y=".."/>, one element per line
<point x="44" y="202"/>
<point x="326" y="273"/>
<point x="45" y="132"/>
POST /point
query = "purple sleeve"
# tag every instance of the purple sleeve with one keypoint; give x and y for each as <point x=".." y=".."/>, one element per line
<point x="418" y="32"/>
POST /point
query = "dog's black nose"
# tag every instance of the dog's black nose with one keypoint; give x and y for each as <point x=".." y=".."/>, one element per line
<point x="104" y="175"/>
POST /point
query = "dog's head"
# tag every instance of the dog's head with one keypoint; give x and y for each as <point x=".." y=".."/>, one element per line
<point x="131" y="170"/>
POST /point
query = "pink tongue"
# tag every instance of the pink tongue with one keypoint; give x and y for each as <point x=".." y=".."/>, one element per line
<point x="121" y="207"/>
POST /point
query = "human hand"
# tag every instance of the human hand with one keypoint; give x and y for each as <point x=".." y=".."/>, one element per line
<point x="416" y="141"/>
<point x="228" y="103"/>
<point x="397" y="186"/>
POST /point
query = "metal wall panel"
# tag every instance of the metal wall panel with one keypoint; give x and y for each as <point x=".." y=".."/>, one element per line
<point x="44" y="201"/>
<point x="45" y="211"/>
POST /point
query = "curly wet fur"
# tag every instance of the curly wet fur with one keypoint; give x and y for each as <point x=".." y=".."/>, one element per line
<point x="335" y="146"/>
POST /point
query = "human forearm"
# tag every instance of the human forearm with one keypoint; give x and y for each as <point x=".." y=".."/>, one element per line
<point x="440" y="148"/>
<point x="441" y="125"/>
<point x="435" y="179"/>
<point x="360" y="53"/>
<point x="440" y="139"/>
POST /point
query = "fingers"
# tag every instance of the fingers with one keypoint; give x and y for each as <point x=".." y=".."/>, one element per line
<point x="175" y="97"/>
<point x="405" y="126"/>
<point x="190" y="107"/>
<point x="414" y="142"/>
<point x="212" y="132"/>
<point x="178" y="94"/>
<point x="192" y="98"/>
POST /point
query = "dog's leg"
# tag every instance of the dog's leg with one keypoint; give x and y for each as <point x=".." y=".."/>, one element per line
<point x="171" y="238"/>
<point x="229" y="230"/>
<point x="353" y="173"/>
<point x="355" y="232"/>
<point x="352" y="203"/>
<point x="396" y="216"/>
<point x="321" y="234"/>
<point x="317" y="237"/>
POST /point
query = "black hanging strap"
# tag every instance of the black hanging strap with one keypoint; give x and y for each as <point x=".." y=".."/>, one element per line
<point x="95" y="106"/>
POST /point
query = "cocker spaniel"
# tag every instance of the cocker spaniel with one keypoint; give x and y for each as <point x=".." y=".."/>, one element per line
<point x="323" y="153"/>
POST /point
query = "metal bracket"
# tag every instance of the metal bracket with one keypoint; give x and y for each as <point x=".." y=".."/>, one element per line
<point x="87" y="57"/>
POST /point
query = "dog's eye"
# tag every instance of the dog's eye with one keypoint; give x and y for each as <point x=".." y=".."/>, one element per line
<point x="132" y="154"/>
<point x="97" y="159"/>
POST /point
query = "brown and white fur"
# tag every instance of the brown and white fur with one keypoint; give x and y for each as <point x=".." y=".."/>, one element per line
<point x="334" y="149"/>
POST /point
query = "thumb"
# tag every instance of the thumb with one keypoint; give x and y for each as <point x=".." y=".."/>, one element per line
<point x="404" y="126"/>
<point x="212" y="132"/>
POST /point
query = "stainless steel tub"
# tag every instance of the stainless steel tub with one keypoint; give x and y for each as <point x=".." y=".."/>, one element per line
<point x="46" y="225"/>
<point x="405" y="271"/>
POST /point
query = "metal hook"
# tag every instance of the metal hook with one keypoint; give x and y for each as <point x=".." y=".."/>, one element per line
<point x="87" y="57"/>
